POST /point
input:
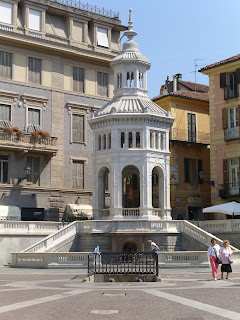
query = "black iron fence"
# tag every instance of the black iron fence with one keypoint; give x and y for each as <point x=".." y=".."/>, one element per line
<point x="123" y="263"/>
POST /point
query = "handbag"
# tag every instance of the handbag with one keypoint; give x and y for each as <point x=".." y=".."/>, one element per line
<point x="219" y="260"/>
<point x="230" y="260"/>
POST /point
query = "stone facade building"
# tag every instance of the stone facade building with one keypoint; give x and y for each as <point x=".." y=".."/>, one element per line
<point x="54" y="72"/>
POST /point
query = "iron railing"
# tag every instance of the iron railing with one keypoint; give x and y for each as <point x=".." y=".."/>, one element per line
<point x="228" y="190"/>
<point x="123" y="263"/>
<point x="87" y="7"/>
<point x="183" y="135"/>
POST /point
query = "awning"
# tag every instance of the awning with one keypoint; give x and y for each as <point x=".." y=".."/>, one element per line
<point x="231" y="208"/>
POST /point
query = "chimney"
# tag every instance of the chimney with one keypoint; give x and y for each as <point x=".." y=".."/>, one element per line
<point x="176" y="77"/>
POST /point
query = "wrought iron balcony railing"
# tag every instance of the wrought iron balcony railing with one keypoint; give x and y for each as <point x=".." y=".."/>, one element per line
<point x="183" y="135"/>
<point x="228" y="190"/>
<point x="231" y="133"/>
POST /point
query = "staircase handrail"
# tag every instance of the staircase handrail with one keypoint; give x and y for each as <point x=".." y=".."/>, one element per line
<point x="45" y="243"/>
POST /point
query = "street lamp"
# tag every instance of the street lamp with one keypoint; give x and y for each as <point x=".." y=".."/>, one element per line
<point x="202" y="175"/>
<point x="27" y="170"/>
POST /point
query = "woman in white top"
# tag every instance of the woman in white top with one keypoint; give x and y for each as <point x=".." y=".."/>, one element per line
<point x="214" y="252"/>
<point x="226" y="254"/>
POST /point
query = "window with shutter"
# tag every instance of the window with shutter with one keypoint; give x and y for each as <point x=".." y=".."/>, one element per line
<point x="5" y="115"/>
<point x="34" y="119"/>
<point x="35" y="20"/>
<point x="78" y="174"/>
<point x="191" y="127"/>
<point x="102" y="84"/>
<point x="78" y="134"/>
<point x="34" y="176"/>
<point x="78" y="79"/>
<point x="3" y="169"/>
<point x="232" y="130"/>
<point x="6" y="12"/>
<point x="102" y="37"/>
<point x="233" y="174"/>
<point x="5" y="65"/>
<point x="200" y="167"/>
<point x="34" y="70"/>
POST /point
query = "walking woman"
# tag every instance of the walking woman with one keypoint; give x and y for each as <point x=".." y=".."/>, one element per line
<point x="214" y="253"/>
<point x="226" y="255"/>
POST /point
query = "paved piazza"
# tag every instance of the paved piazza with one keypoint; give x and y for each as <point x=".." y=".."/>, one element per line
<point x="187" y="294"/>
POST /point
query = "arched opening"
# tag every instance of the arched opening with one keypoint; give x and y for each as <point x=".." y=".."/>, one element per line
<point x="140" y="80"/>
<point x="129" y="247"/>
<point x="156" y="140"/>
<point x="104" y="199"/>
<point x="151" y="140"/>
<point x="157" y="188"/>
<point x="99" y="142"/>
<point x="130" y="187"/>
<point x="130" y="79"/>
<point x="109" y="141"/>
<point x="104" y="142"/>
<point x="119" y="80"/>
<point x="130" y="140"/>
<point x="122" y="140"/>
<point x="138" y="141"/>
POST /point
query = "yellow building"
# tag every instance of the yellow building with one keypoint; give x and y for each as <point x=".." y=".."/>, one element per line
<point x="224" y="101"/>
<point x="189" y="146"/>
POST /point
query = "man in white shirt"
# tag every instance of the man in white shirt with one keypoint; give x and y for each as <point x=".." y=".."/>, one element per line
<point x="154" y="247"/>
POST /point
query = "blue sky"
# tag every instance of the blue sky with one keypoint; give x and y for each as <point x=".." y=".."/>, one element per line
<point x="172" y="33"/>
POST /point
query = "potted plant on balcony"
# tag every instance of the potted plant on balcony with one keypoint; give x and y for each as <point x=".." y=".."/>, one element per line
<point x="39" y="134"/>
<point x="8" y="130"/>
<point x="19" y="133"/>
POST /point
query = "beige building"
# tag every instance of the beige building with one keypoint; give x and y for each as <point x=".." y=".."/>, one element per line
<point x="189" y="146"/>
<point x="224" y="80"/>
<point x="54" y="72"/>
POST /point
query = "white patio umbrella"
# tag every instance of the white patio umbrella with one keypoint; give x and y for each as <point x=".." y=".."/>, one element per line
<point x="231" y="208"/>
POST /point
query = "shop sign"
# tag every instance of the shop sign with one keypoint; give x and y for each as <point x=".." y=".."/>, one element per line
<point x="174" y="174"/>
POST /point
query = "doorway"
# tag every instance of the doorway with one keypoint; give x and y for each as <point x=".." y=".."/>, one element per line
<point x="194" y="213"/>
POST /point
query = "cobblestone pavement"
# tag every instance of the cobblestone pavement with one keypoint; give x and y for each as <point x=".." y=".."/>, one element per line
<point x="183" y="294"/>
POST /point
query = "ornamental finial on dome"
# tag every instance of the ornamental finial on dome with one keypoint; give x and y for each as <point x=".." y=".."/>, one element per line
<point x="130" y="33"/>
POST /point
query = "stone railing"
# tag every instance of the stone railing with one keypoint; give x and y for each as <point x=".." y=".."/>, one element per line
<point x="54" y="239"/>
<point x="29" y="227"/>
<point x="105" y="212"/>
<point x="231" y="225"/>
<point x="50" y="259"/>
<point x="133" y="212"/>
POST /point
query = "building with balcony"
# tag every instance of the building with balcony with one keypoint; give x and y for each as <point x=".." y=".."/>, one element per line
<point x="224" y="79"/>
<point x="54" y="72"/>
<point x="189" y="145"/>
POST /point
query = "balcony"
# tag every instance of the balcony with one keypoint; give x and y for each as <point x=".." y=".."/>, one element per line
<point x="27" y="142"/>
<point x="183" y="135"/>
<point x="229" y="190"/>
<point x="231" y="134"/>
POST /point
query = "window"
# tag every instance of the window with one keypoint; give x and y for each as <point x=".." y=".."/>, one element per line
<point x="102" y="84"/>
<point x="119" y="80"/>
<point x="34" y="122"/>
<point x="192" y="168"/>
<point x="35" y="20"/>
<point x="122" y="140"/>
<point x="34" y="176"/>
<point x="130" y="79"/>
<point x="78" y="174"/>
<point x="78" y="128"/>
<point x="229" y="82"/>
<point x="140" y="80"/>
<point x="3" y="169"/>
<point x="130" y="140"/>
<point x="6" y="10"/>
<point x="230" y="117"/>
<point x="6" y="65"/>
<point x="102" y="37"/>
<point x="138" y="142"/>
<point x="234" y="173"/>
<point x="78" y="79"/>
<point x="191" y="127"/>
<point x="5" y="115"/>
<point x="34" y="70"/>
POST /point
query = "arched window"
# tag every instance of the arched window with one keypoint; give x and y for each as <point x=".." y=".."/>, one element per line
<point x="130" y="79"/>
<point x="151" y="140"/>
<point x="162" y="141"/>
<point x="140" y="80"/>
<point x="156" y="141"/>
<point x="119" y="80"/>
<point x="122" y="140"/>
<point x="99" y="142"/>
<point x="109" y="141"/>
<point x="130" y="140"/>
<point x="104" y="142"/>
<point x="138" y="142"/>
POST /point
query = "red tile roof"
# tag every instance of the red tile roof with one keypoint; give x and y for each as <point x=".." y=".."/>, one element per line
<point x="186" y="94"/>
<point x="219" y="63"/>
<point x="195" y="86"/>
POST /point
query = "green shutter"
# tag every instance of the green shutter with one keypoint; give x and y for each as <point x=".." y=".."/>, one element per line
<point x="200" y="166"/>
<point x="223" y="80"/>
<point x="186" y="169"/>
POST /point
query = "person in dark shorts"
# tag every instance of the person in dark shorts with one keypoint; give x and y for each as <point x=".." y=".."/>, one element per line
<point x="226" y="255"/>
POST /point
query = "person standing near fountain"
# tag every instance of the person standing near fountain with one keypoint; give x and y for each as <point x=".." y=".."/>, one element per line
<point x="154" y="247"/>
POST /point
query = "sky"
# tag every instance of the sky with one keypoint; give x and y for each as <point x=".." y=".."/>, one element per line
<point x="172" y="33"/>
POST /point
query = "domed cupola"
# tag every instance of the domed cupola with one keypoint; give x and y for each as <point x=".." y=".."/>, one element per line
<point x="130" y="67"/>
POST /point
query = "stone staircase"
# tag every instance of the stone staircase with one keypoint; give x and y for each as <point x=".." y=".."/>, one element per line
<point x="62" y="248"/>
